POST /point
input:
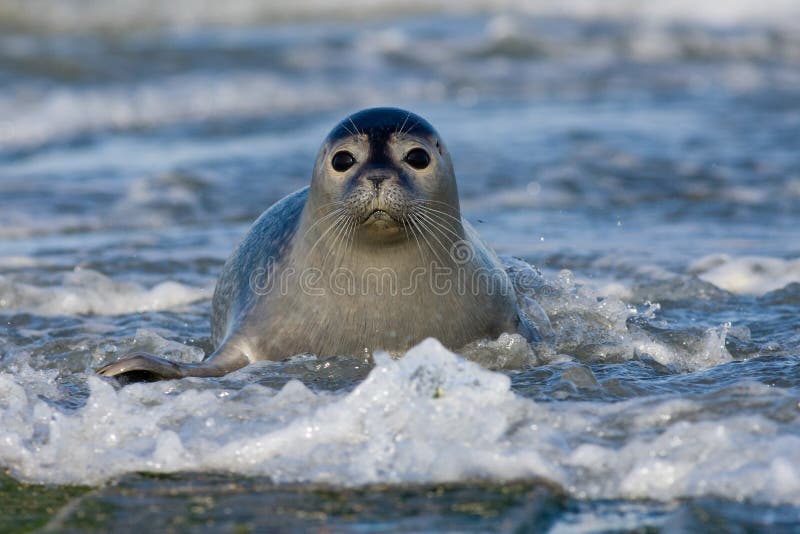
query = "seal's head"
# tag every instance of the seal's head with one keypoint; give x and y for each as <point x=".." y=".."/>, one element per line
<point x="382" y="170"/>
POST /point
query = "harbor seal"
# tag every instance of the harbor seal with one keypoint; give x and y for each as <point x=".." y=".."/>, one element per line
<point x="373" y="255"/>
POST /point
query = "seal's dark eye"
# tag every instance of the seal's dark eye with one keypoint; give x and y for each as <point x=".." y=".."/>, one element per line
<point x="418" y="158"/>
<point x="342" y="161"/>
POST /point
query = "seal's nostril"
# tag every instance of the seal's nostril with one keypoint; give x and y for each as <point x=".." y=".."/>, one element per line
<point x="377" y="179"/>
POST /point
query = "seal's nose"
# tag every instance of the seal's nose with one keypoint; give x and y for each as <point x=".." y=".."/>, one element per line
<point x="377" y="179"/>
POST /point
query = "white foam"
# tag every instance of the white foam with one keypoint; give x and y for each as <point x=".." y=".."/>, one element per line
<point x="31" y="115"/>
<point x="594" y="326"/>
<point x="737" y="457"/>
<point x="51" y="113"/>
<point x="96" y="14"/>
<point x="84" y="291"/>
<point x="747" y="275"/>
<point x="17" y="262"/>
<point x="57" y="112"/>
<point x="429" y="416"/>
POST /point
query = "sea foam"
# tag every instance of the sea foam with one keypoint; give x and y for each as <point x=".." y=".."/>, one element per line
<point x="428" y="416"/>
<point x="747" y="275"/>
<point x="85" y="291"/>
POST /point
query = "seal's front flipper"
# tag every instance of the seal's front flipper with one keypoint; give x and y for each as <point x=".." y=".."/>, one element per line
<point x="143" y="367"/>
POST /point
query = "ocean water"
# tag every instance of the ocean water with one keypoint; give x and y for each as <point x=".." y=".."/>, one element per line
<point x="642" y="160"/>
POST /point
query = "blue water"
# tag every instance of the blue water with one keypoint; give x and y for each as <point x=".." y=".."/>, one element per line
<point x="645" y="161"/>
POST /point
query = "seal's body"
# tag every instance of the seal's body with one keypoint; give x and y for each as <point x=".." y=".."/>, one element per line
<point x="373" y="255"/>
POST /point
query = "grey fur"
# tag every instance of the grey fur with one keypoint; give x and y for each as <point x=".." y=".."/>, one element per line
<point x="261" y="311"/>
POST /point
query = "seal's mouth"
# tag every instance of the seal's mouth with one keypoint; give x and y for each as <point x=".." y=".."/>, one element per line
<point x="378" y="215"/>
<point x="381" y="225"/>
